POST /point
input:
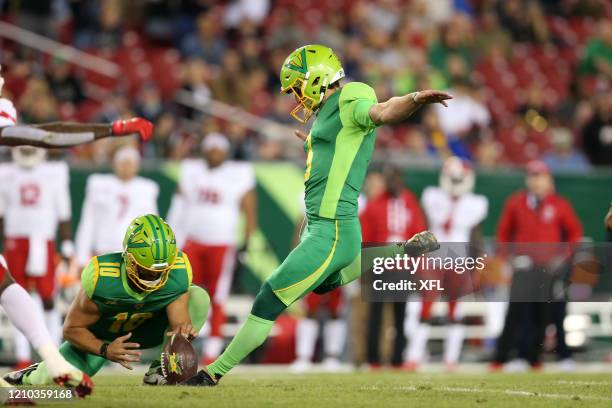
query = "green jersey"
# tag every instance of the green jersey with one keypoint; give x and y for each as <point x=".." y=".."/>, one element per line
<point x="339" y="148"/>
<point x="124" y="310"/>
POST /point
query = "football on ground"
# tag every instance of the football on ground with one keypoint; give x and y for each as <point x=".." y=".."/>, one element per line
<point x="179" y="360"/>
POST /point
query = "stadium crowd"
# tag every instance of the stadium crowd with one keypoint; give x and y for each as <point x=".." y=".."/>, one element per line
<point x="530" y="78"/>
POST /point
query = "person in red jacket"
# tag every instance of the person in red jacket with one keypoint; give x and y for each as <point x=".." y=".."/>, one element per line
<point x="539" y="218"/>
<point x="394" y="215"/>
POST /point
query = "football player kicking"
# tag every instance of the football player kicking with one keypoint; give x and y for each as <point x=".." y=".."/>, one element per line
<point x="339" y="148"/>
<point x="129" y="301"/>
<point x="17" y="303"/>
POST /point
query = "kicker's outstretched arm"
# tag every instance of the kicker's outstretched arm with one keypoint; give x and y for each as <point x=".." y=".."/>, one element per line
<point x="399" y="108"/>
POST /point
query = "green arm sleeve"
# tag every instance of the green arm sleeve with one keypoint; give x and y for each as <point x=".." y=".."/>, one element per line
<point x="89" y="277"/>
<point x="356" y="99"/>
<point x="361" y="113"/>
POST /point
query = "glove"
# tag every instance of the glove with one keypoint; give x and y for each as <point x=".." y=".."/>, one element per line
<point x="143" y="127"/>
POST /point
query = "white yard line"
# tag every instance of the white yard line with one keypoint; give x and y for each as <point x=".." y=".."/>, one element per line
<point x="583" y="382"/>
<point x="519" y="393"/>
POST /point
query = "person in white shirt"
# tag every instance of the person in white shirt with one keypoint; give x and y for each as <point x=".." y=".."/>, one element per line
<point x="111" y="202"/>
<point x="454" y="214"/>
<point x="34" y="205"/>
<point x="205" y="213"/>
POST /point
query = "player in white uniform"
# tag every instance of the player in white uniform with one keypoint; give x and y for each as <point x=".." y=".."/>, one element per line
<point x="17" y="303"/>
<point x="205" y="213"/>
<point x="454" y="214"/>
<point x="34" y="205"/>
<point x="111" y="202"/>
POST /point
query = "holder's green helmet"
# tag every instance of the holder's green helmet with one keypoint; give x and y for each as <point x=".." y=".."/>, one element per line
<point x="307" y="72"/>
<point x="149" y="252"/>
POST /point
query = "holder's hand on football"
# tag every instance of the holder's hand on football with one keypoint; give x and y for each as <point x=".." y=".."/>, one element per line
<point x="122" y="352"/>
<point x="185" y="329"/>
<point x="143" y="127"/>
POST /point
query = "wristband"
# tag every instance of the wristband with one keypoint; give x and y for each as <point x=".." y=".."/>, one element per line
<point x="103" y="350"/>
<point x="414" y="96"/>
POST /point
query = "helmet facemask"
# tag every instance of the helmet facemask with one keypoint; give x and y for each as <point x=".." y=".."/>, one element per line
<point x="146" y="279"/>
<point x="307" y="105"/>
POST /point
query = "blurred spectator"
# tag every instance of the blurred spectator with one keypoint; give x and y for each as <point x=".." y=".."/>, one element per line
<point x="37" y="104"/>
<point x="164" y="137"/>
<point x="563" y="156"/>
<point x="383" y="15"/>
<point x="149" y="104"/>
<point x="488" y="153"/>
<point x="41" y="17"/>
<point x="251" y="49"/>
<point x="463" y="119"/>
<point x="115" y="106"/>
<point x="597" y="58"/>
<point x="63" y="83"/>
<point x="103" y="25"/>
<point x="418" y="153"/>
<point x="491" y="35"/>
<point x="332" y="33"/>
<point x="287" y="32"/>
<point x="207" y="42"/>
<point x="194" y="79"/>
<point x="524" y="20"/>
<point x="252" y="10"/>
<point x="228" y="87"/>
<point x="597" y="133"/>
<point x="455" y="41"/>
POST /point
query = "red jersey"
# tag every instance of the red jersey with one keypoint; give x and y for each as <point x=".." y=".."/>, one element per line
<point x="552" y="220"/>
<point x="389" y="219"/>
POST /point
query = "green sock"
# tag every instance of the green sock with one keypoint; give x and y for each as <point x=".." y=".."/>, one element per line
<point x="251" y="335"/>
<point x="40" y="376"/>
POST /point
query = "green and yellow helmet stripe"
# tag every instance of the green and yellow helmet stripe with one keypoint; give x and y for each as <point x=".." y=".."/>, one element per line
<point x="163" y="237"/>
<point x="155" y="234"/>
<point x="298" y="62"/>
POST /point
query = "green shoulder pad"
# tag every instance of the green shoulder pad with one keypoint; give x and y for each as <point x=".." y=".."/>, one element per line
<point x="180" y="274"/>
<point x="89" y="277"/>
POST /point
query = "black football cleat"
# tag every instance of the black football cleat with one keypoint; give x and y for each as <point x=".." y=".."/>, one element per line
<point x="202" y="379"/>
<point x="155" y="374"/>
<point x="421" y="243"/>
<point x="16" y="377"/>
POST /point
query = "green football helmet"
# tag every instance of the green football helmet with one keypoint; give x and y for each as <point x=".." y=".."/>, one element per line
<point x="307" y="73"/>
<point x="149" y="252"/>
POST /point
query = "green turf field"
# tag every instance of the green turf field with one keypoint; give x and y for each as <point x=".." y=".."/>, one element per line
<point x="380" y="389"/>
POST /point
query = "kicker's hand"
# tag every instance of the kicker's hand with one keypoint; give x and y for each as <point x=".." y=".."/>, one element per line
<point x="429" y="96"/>
<point x="143" y="127"/>
<point x="122" y="352"/>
